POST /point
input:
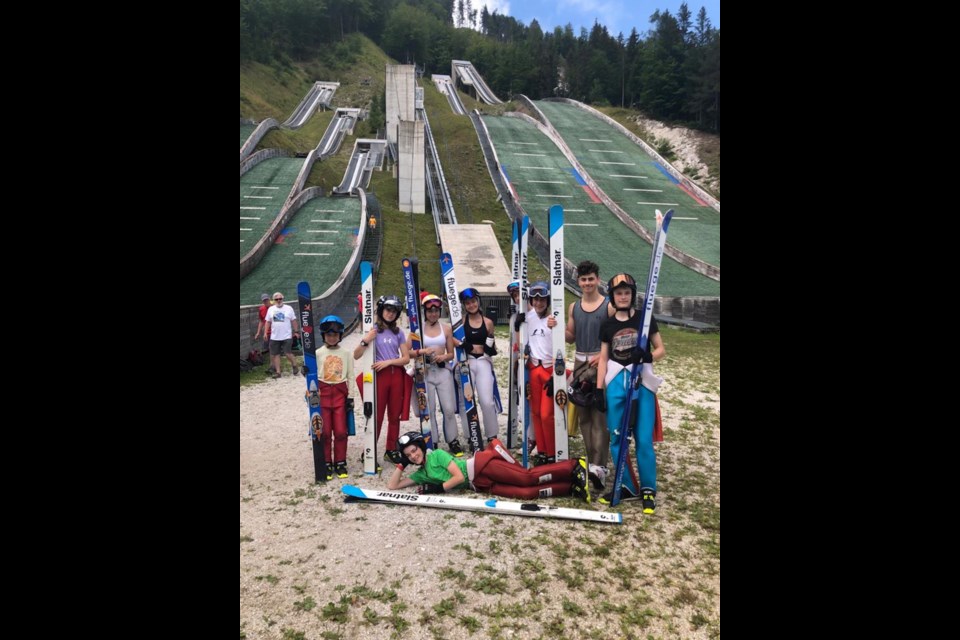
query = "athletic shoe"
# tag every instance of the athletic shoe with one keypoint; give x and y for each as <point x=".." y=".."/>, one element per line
<point x="580" y="487"/>
<point x="598" y="476"/>
<point x="649" y="503"/>
<point x="455" y="448"/>
<point x="626" y="495"/>
<point x="341" y="469"/>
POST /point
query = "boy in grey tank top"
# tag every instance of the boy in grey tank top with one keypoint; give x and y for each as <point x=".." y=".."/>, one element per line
<point x="583" y="329"/>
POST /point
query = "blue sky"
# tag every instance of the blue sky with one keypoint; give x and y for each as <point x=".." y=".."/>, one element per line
<point x="617" y="15"/>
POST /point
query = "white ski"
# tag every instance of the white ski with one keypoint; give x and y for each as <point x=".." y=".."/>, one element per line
<point x="555" y="221"/>
<point x="493" y="505"/>
<point x="369" y="380"/>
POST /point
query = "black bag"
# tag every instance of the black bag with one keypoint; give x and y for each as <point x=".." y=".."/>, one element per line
<point x="245" y="365"/>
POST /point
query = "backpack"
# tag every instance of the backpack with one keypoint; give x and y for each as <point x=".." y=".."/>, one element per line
<point x="255" y="357"/>
<point x="245" y="365"/>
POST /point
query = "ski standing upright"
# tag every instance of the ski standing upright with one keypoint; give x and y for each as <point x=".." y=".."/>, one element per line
<point x="555" y="221"/>
<point x="308" y="341"/>
<point x="512" y="392"/>
<point x="646" y="313"/>
<point x="369" y="380"/>
<point x="523" y="381"/>
<point x="413" y="313"/>
<point x="466" y="379"/>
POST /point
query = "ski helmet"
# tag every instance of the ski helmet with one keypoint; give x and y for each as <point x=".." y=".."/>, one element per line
<point x="411" y="437"/>
<point x="388" y="300"/>
<point x="470" y="294"/>
<point x="623" y="280"/>
<point x="430" y="300"/>
<point x="539" y="289"/>
<point x="513" y="286"/>
<point x="331" y="324"/>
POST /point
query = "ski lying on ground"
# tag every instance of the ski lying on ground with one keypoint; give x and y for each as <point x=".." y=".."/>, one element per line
<point x="493" y="505"/>
<point x="309" y="343"/>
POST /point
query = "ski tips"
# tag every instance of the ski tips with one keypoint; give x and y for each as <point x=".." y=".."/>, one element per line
<point x="352" y="491"/>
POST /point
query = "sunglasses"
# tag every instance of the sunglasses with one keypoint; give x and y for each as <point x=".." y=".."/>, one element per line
<point x="278" y="299"/>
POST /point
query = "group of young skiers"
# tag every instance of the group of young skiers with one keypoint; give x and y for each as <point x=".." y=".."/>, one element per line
<point x="605" y="332"/>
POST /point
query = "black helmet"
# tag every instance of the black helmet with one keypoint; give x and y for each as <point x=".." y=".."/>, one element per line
<point x="469" y="294"/>
<point x="581" y="390"/>
<point x="389" y="300"/>
<point x="623" y="280"/>
<point x="411" y="437"/>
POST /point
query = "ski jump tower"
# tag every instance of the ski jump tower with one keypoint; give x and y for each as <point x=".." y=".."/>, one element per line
<point x="404" y="131"/>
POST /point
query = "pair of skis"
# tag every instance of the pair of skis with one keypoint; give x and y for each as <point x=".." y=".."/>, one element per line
<point x="633" y="389"/>
<point x="308" y="341"/>
<point x="518" y="415"/>
<point x="466" y="379"/>
<point x="493" y="505"/>
<point x="411" y="286"/>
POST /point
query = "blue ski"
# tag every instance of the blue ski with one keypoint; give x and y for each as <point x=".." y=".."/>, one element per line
<point x="646" y="313"/>
<point x="466" y="379"/>
<point x="307" y="333"/>
<point x="416" y="335"/>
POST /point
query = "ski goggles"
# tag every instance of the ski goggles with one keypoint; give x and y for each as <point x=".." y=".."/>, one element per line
<point x="539" y="292"/>
<point x="331" y="327"/>
<point x="391" y="307"/>
<point x="513" y="286"/>
<point x="469" y="294"/>
<point x="621" y="278"/>
<point x="432" y="301"/>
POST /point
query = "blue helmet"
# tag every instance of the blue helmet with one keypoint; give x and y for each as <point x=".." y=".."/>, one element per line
<point x="513" y="286"/>
<point x="331" y="324"/>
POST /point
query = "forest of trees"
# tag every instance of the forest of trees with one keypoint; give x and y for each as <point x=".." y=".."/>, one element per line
<point x="672" y="72"/>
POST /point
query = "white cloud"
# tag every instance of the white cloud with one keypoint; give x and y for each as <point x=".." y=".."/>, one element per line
<point x="502" y="7"/>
